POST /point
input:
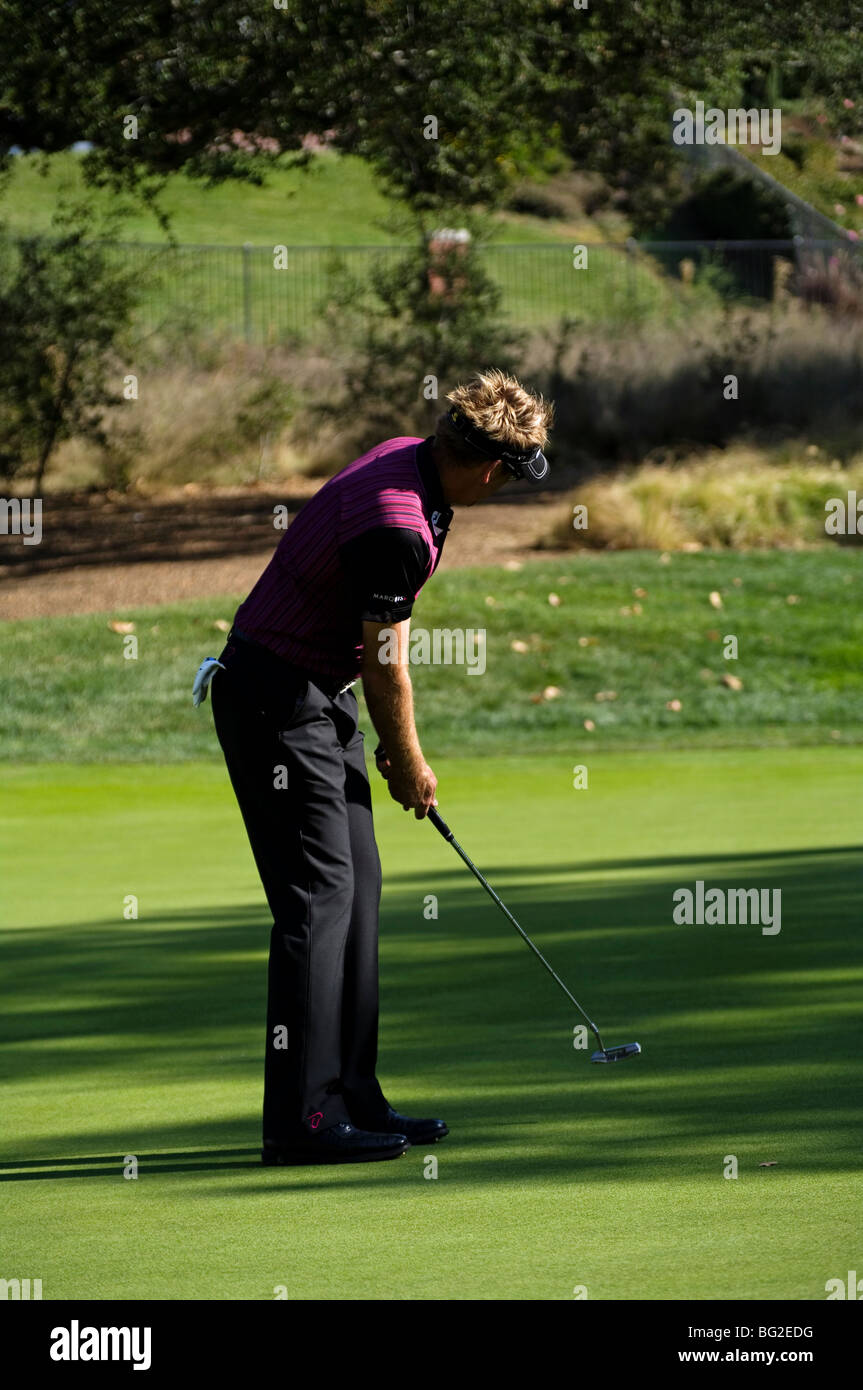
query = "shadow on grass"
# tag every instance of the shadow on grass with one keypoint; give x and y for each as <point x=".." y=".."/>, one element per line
<point x="748" y="1039"/>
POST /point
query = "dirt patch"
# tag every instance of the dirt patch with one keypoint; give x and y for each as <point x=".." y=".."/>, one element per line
<point x="114" y="552"/>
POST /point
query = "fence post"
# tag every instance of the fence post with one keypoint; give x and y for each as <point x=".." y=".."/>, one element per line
<point x="798" y="252"/>
<point x="247" y="291"/>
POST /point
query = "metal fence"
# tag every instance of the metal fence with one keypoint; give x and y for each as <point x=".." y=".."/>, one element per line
<point x="804" y="220"/>
<point x="253" y="293"/>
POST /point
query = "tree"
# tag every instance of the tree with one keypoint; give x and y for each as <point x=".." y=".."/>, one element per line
<point x="63" y="303"/>
<point x="197" y="84"/>
<point x="193" y="83"/>
<point x="423" y="319"/>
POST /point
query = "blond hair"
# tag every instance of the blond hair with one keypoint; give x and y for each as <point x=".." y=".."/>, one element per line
<point x="502" y="408"/>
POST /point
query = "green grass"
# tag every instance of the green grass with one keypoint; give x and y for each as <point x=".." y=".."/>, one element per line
<point x="67" y="693"/>
<point x="335" y="201"/>
<point x="299" y="208"/>
<point x="208" y="287"/>
<point x="145" y="1038"/>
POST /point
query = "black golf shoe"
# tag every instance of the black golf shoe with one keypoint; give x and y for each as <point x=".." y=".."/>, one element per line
<point x="417" y="1131"/>
<point x="341" y="1143"/>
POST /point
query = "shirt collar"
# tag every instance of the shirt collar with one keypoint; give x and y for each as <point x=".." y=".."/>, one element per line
<point x="440" y="513"/>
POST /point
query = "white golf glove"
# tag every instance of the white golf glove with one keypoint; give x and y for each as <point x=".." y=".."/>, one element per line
<point x="206" y="671"/>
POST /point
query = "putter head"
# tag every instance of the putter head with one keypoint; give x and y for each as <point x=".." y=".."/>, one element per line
<point x="617" y="1054"/>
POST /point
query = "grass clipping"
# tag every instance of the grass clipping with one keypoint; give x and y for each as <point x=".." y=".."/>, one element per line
<point x="734" y="499"/>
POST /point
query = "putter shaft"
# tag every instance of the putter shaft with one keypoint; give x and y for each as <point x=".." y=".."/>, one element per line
<point x="440" y="824"/>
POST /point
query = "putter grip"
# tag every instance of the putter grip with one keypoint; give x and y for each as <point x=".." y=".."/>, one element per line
<point x="439" y="824"/>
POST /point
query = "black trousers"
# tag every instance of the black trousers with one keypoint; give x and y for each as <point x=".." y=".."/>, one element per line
<point x="295" y="759"/>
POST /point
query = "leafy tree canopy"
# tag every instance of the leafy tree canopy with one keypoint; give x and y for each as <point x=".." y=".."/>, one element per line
<point x="218" y="86"/>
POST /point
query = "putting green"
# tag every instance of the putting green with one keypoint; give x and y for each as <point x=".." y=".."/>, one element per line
<point x="143" y="1038"/>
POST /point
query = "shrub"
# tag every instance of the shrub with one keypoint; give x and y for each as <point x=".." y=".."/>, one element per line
<point x="739" y="500"/>
<point x="64" y="308"/>
<point x="620" y="397"/>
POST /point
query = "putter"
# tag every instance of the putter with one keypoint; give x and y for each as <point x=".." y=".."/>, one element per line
<point x="605" y="1054"/>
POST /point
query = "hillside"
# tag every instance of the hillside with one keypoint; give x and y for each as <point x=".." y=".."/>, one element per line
<point x="336" y="201"/>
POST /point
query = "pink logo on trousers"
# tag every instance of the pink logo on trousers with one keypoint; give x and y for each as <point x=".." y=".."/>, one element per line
<point x="315" y="1120"/>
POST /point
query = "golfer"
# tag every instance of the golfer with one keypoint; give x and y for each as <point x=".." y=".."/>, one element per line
<point x="332" y="607"/>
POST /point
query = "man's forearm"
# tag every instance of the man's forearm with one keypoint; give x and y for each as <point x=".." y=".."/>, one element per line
<point x="389" y="696"/>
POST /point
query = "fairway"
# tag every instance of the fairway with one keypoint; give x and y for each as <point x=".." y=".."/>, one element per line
<point x="144" y="1038"/>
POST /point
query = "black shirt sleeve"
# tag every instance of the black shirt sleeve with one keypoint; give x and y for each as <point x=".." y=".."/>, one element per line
<point x="384" y="569"/>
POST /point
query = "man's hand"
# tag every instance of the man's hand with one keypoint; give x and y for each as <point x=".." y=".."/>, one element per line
<point x="414" y="788"/>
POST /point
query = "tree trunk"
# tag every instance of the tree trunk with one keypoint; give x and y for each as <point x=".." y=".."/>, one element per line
<point x="56" y="420"/>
